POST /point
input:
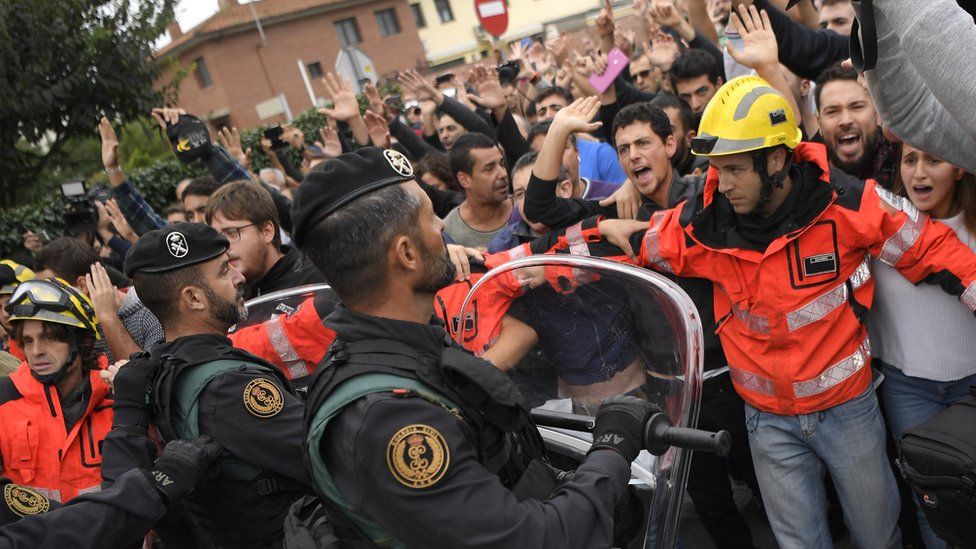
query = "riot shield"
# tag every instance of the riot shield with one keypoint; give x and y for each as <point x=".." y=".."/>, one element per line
<point x="578" y="330"/>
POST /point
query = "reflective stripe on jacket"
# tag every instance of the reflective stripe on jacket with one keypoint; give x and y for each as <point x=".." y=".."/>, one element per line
<point x="791" y="315"/>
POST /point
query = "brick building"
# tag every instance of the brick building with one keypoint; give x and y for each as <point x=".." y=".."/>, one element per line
<point x="239" y="78"/>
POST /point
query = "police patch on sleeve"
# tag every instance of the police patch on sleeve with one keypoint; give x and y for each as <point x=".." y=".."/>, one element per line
<point x="262" y="398"/>
<point x="25" y="501"/>
<point x="418" y="456"/>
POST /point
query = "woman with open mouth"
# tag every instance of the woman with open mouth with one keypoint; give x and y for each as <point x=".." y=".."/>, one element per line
<point x="922" y="340"/>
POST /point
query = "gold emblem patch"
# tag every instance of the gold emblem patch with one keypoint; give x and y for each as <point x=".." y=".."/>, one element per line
<point x="262" y="398"/>
<point x="25" y="501"/>
<point x="418" y="456"/>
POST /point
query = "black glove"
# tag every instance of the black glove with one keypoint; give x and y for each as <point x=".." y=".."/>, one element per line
<point x="620" y="425"/>
<point x="131" y="390"/>
<point x="181" y="465"/>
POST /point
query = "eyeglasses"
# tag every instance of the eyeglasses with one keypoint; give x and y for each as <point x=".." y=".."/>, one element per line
<point x="233" y="234"/>
<point x="643" y="73"/>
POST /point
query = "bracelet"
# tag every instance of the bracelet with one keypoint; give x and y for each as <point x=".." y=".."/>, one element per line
<point x="115" y="170"/>
<point x="535" y="78"/>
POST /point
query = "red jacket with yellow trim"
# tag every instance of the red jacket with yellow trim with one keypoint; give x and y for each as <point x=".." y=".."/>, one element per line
<point x="791" y="315"/>
<point x="35" y="448"/>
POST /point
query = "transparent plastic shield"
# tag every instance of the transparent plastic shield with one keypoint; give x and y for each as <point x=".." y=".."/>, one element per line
<point x="284" y="302"/>
<point x="579" y="330"/>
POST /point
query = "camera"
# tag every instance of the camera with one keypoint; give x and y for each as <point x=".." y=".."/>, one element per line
<point x="79" y="204"/>
<point x="507" y="72"/>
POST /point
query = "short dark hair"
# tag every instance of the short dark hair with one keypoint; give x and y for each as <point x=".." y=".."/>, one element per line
<point x="438" y="165"/>
<point x="201" y="186"/>
<point x="349" y="246"/>
<point x="69" y="258"/>
<point x="672" y="101"/>
<point x="527" y="160"/>
<point x="245" y="200"/>
<point x="643" y="112"/>
<point x="693" y="63"/>
<point x="554" y="90"/>
<point x="172" y="209"/>
<point x="460" y="155"/>
<point x="539" y="128"/>
<point x="832" y="73"/>
<point x="160" y="292"/>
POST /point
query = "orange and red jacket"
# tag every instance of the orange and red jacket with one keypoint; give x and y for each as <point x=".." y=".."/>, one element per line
<point x="482" y="322"/>
<point x="791" y="316"/>
<point x="295" y="343"/>
<point x="14" y="349"/>
<point x="36" y="450"/>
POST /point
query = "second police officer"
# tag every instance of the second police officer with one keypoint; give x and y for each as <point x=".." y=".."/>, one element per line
<point x="412" y="441"/>
<point x="200" y="384"/>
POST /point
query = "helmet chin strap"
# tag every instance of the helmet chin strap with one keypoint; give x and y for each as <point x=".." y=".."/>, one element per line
<point x="769" y="182"/>
<point x="54" y="377"/>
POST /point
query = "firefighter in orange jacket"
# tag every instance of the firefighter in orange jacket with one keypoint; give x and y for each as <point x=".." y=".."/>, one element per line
<point x="54" y="410"/>
<point x="788" y="243"/>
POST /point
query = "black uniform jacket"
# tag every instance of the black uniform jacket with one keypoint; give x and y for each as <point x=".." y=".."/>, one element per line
<point x="457" y="502"/>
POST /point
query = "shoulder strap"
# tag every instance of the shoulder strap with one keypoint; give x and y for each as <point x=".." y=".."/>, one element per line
<point x="8" y="391"/>
<point x="190" y="384"/>
<point x="339" y="398"/>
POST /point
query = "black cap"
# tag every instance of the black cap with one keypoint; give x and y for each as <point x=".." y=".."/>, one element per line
<point x="174" y="247"/>
<point x="190" y="138"/>
<point x="341" y="180"/>
<point x="22" y="501"/>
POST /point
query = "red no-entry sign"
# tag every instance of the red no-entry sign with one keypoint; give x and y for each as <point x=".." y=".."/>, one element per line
<point x="493" y="15"/>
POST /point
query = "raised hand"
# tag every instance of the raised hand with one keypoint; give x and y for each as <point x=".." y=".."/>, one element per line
<point x="344" y="104"/>
<point x="379" y="132"/>
<point x="331" y="146"/>
<point x="577" y="116"/>
<point x="167" y="115"/>
<point x="110" y="144"/>
<point x="665" y="14"/>
<point x="759" y="47"/>
<point x="230" y="139"/>
<point x="663" y="51"/>
<point x="421" y="88"/>
<point x="490" y="95"/>
<point x="559" y="48"/>
<point x="105" y="297"/>
<point x="604" y="22"/>
<point x="119" y="221"/>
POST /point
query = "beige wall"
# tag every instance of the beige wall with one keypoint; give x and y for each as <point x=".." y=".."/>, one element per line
<point x="457" y="39"/>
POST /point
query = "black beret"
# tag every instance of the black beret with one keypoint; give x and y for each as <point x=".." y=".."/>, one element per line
<point x="22" y="501"/>
<point x="174" y="247"/>
<point x="341" y="180"/>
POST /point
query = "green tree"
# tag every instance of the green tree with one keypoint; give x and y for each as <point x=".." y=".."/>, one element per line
<point x="65" y="63"/>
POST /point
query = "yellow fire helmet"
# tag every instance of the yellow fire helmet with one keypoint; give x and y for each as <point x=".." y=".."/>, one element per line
<point x="53" y="300"/>
<point x="10" y="279"/>
<point x="746" y="114"/>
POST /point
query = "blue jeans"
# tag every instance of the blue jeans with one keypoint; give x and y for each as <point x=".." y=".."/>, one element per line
<point x="910" y="401"/>
<point x="791" y="454"/>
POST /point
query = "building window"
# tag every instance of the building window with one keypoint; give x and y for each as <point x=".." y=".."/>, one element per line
<point x="348" y="32"/>
<point x="443" y="8"/>
<point x="388" y="22"/>
<point x="315" y="70"/>
<point x="418" y="16"/>
<point x="202" y="73"/>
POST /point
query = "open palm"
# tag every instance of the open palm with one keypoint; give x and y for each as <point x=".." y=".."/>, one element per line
<point x="759" y="47"/>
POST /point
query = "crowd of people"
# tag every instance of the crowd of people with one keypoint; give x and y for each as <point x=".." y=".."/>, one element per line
<point x="815" y="200"/>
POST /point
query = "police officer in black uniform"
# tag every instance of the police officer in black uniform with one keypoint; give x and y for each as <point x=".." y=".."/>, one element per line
<point x="410" y="438"/>
<point x="199" y="384"/>
<point x="117" y="517"/>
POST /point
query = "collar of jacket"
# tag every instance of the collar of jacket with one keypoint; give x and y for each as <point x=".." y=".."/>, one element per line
<point x="715" y="225"/>
<point x="351" y="326"/>
<point x="193" y="347"/>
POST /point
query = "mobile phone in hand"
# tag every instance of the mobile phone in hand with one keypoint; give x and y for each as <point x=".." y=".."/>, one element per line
<point x="616" y="63"/>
